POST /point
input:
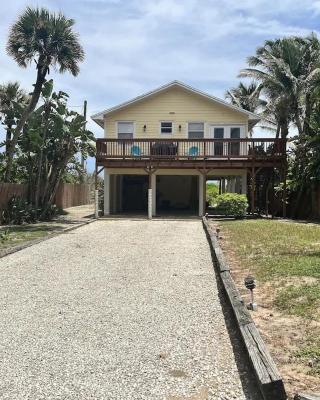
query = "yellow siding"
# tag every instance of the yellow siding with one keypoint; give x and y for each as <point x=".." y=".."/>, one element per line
<point x="177" y="105"/>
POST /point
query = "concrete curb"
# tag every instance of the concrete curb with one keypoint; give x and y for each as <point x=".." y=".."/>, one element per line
<point x="36" y="241"/>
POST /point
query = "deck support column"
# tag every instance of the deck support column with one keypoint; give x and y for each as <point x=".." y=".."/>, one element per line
<point x="201" y="194"/>
<point x="244" y="184"/>
<point x="154" y="191"/>
<point x="106" y="193"/>
<point x="284" y="192"/>
<point x="223" y="185"/>
<point x="233" y="185"/>
<point x="253" y="190"/>
<point x="150" y="196"/>
<point x="96" y="193"/>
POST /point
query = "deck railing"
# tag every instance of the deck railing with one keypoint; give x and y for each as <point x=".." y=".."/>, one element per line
<point x="189" y="149"/>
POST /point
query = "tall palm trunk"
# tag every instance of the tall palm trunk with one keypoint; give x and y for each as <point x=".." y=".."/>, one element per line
<point x="40" y="160"/>
<point x="306" y="127"/>
<point x="284" y="130"/>
<point x="41" y="77"/>
<point x="8" y="138"/>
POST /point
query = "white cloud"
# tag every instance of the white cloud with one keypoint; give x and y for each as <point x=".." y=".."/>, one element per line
<point x="136" y="45"/>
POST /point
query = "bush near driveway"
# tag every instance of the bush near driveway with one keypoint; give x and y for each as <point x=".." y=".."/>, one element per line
<point x="232" y="204"/>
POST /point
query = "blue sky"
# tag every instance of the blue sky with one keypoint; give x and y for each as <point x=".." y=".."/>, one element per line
<point x="133" y="46"/>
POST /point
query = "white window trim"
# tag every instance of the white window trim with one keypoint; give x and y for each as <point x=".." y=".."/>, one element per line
<point x="196" y="122"/>
<point x="128" y="122"/>
<point x="166" y="133"/>
<point x="227" y="129"/>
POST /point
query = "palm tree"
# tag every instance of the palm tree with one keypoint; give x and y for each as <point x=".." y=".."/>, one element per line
<point x="12" y="100"/>
<point x="49" y="40"/>
<point x="246" y="96"/>
<point x="288" y="69"/>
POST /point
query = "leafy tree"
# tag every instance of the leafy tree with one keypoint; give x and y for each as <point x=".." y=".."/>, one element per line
<point x="12" y="102"/>
<point x="47" y="151"/>
<point x="48" y="40"/>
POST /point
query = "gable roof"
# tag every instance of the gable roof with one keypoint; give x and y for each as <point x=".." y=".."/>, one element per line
<point x="99" y="117"/>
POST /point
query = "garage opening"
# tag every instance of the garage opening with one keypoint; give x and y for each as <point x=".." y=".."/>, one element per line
<point x="177" y="194"/>
<point x="134" y="194"/>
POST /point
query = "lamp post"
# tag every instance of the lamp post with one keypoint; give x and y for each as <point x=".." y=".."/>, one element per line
<point x="250" y="284"/>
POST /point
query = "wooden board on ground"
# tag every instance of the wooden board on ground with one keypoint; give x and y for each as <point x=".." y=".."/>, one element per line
<point x="268" y="377"/>
<point x="305" y="396"/>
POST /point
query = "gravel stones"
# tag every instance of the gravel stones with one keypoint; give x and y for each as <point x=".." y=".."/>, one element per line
<point x="118" y="309"/>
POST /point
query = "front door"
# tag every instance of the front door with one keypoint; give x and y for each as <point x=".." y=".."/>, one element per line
<point x="216" y="149"/>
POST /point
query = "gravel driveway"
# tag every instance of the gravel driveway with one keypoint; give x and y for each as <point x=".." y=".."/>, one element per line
<point x="117" y="309"/>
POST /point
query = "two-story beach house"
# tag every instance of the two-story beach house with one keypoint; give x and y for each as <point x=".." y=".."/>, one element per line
<point x="160" y="148"/>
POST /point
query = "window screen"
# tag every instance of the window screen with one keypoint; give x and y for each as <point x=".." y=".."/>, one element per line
<point x="235" y="133"/>
<point x="166" y="127"/>
<point x="218" y="133"/>
<point x="196" y="130"/>
<point x="218" y="146"/>
<point x="234" y="146"/>
<point x="125" y="130"/>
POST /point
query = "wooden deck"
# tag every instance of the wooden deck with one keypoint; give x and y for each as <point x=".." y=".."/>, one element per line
<point x="190" y="153"/>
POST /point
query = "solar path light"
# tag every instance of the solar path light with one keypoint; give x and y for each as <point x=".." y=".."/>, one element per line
<point x="250" y="284"/>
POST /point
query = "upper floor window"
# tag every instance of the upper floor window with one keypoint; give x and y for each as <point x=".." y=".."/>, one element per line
<point x="166" y="127"/>
<point x="125" y="130"/>
<point x="195" y="130"/>
<point x="235" y="132"/>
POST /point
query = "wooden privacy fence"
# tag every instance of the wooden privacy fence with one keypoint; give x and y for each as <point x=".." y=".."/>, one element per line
<point x="68" y="194"/>
<point x="72" y="195"/>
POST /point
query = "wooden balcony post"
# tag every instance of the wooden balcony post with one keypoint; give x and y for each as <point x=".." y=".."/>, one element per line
<point x="201" y="195"/>
<point x="123" y="149"/>
<point x="284" y="192"/>
<point x="154" y="191"/>
<point x="253" y="189"/>
<point x="96" y="194"/>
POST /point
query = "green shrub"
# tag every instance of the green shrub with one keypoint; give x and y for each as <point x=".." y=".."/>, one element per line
<point x="51" y="212"/>
<point x="4" y="236"/>
<point x="232" y="204"/>
<point x="20" y="211"/>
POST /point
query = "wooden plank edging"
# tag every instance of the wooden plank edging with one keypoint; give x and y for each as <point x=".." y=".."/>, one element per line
<point x="306" y="396"/>
<point x="265" y="369"/>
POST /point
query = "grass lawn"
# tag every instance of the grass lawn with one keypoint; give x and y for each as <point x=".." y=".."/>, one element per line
<point x="16" y="235"/>
<point x="284" y="256"/>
